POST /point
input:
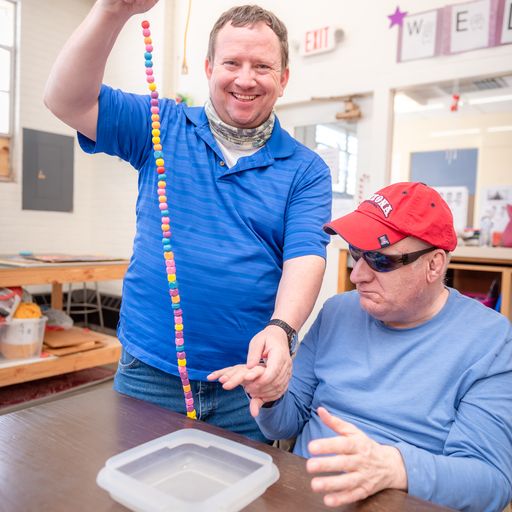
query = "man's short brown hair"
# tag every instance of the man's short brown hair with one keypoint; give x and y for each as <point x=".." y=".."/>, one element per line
<point x="248" y="16"/>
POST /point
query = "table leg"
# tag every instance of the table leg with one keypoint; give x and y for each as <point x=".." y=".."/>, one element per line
<point x="57" y="295"/>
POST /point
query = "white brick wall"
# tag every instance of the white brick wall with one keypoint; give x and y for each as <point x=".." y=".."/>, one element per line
<point x="103" y="217"/>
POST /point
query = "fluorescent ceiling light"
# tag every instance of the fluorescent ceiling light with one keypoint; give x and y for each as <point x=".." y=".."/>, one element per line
<point x="454" y="133"/>
<point x="503" y="128"/>
<point x="490" y="99"/>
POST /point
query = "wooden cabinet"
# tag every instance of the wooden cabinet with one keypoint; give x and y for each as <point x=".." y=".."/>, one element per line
<point x="471" y="269"/>
<point x="17" y="371"/>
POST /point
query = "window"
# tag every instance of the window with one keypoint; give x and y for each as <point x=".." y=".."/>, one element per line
<point x="7" y="40"/>
<point x="337" y="144"/>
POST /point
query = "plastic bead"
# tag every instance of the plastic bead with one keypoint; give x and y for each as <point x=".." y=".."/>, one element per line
<point x="159" y="161"/>
<point x="149" y="71"/>
<point x="162" y="199"/>
<point x="149" y="64"/>
<point x="149" y="48"/>
<point x="155" y="124"/>
<point x="145" y="24"/>
<point x="154" y="95"/>
<point x="182" y="362"/>
<point x="156" y="133"/>
<point x="186" y="387"/>
<point x="150" y="79"/>
<point x="146" y="32"/>
<point x="148" y="40"/>
<point x="158" y="147"/>
<point x="152" y="87"/>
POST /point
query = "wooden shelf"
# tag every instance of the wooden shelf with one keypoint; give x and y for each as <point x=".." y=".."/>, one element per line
<point x="48" y="367"/>
<point x="57" y="275"/>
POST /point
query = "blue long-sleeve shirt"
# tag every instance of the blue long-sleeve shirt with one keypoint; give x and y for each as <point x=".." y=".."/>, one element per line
<point x="440" y="392"/>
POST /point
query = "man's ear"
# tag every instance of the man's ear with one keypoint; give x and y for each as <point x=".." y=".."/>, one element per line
<point x="436" y="265"/>
<point x="208" y="68"/>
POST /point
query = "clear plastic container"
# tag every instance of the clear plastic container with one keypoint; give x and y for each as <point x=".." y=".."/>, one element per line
<point x="22" y="338"/>
<point x="188" y="470"/>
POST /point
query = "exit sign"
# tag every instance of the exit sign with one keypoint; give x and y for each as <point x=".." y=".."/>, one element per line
<point x="318" y="40"/>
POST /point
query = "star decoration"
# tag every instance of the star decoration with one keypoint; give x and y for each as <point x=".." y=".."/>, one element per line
<point x="397" y="18"/>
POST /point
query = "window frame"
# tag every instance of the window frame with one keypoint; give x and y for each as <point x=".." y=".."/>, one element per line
<point x="12" y="49"/>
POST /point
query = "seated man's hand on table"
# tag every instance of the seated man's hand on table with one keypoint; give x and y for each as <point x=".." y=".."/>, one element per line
<point x="365" y="466"/>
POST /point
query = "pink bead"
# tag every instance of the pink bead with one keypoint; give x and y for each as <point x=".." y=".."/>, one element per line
<point x="146" y="32"/>
<point x="170" y="264"/>
<point x="190" y="408"/>
<point x="173" y="293"/>
<point x="183" y="372"/>
<point x="149" y="48"/>
<point x="178" y="312"/>
<point x="150" y="79"/>
<point x="164" y="206"/>
<point x="154" y="94"/>
<point x="155" y="110"/>
<point x="154" y="103"/>
<point x="186" y="382"/>
<point x="189" y="401"/>
<point x="149" y="71"/>
<point x="179" y="342"/>
<point x="178" y="319"/>
<point x="179" y="335"/>
<point x="181" y="355"/>
<point x="161" y="191"/>
<point x="188" y="394"/>
<point x="167" y="234"/>
<point x="166" y="220"/>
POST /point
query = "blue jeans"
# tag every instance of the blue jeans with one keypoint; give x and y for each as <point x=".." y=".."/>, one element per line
<point x="214" y="405"/>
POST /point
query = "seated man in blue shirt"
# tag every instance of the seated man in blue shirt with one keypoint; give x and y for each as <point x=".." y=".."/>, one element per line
<point x="416" y="377"/>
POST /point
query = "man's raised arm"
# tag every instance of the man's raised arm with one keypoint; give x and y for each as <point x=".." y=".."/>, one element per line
<point x="74" y="83"/>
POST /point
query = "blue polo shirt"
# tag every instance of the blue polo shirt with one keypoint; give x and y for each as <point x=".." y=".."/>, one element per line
<point x="232" y="228"/>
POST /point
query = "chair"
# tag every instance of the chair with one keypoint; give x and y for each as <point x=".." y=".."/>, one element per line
<point x="85" y="306"/>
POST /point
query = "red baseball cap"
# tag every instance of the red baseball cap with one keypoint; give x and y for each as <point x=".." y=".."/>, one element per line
<point x="394" y="213"/>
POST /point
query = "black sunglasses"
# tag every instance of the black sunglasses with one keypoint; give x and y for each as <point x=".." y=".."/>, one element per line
<point x="386" y="262"/>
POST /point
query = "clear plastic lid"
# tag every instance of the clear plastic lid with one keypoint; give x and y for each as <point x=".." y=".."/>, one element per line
<point x="188" y="470"/>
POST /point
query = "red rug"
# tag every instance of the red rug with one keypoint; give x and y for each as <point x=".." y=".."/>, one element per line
<point x="37" y="390"/>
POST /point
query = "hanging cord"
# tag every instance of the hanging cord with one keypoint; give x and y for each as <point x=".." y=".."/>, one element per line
<point x="184" y="66"/>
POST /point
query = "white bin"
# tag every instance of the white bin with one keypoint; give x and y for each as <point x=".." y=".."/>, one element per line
<point x="22" y="337"/>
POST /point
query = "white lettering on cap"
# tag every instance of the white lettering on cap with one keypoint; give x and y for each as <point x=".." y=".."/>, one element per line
<point x="382" y="203"/>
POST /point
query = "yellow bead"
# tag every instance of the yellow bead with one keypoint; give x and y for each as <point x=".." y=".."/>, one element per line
<point x="186" y="388"/>
<point x="155" y="124"/>
<point x="152" y="87"/>
<point x="165" y="227"/>
<point x="155" y="140"/>
<point x="168" y="255"/>
<point x="161" y="184"/>
<point x="155" y="117"/>
<point x="178" y="327"/>
<point x="192" y="415"/>
<point x="171" y="277"/>
<point x="159" y="161"/>
<point x="156" y="133"/>
<point x="175" y="300"/>
<point x="162" y="199"/>
<point x="182" y="362"/>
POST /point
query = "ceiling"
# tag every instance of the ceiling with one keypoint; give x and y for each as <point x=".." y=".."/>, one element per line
<point x="477" y="95"/>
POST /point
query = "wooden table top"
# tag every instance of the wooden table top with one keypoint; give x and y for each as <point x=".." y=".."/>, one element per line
<point x="51" y="454"/>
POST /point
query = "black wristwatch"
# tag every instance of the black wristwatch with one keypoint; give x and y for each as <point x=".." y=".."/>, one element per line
<point x="291" y="333"/>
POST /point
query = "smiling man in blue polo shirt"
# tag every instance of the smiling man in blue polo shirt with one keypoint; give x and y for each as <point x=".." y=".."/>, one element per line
<point x="246" y="202"/>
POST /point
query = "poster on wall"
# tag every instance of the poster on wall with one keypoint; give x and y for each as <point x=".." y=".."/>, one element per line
<point x="419" y="36"/>
<point x="506" y="24"/>
<point x="457" y="199"/>
<point x="469" y="26"/>
<point x="493" y="207"/>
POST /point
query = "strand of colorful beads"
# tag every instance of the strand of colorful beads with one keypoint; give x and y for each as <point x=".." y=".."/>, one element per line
<point x="170" y="264"/>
